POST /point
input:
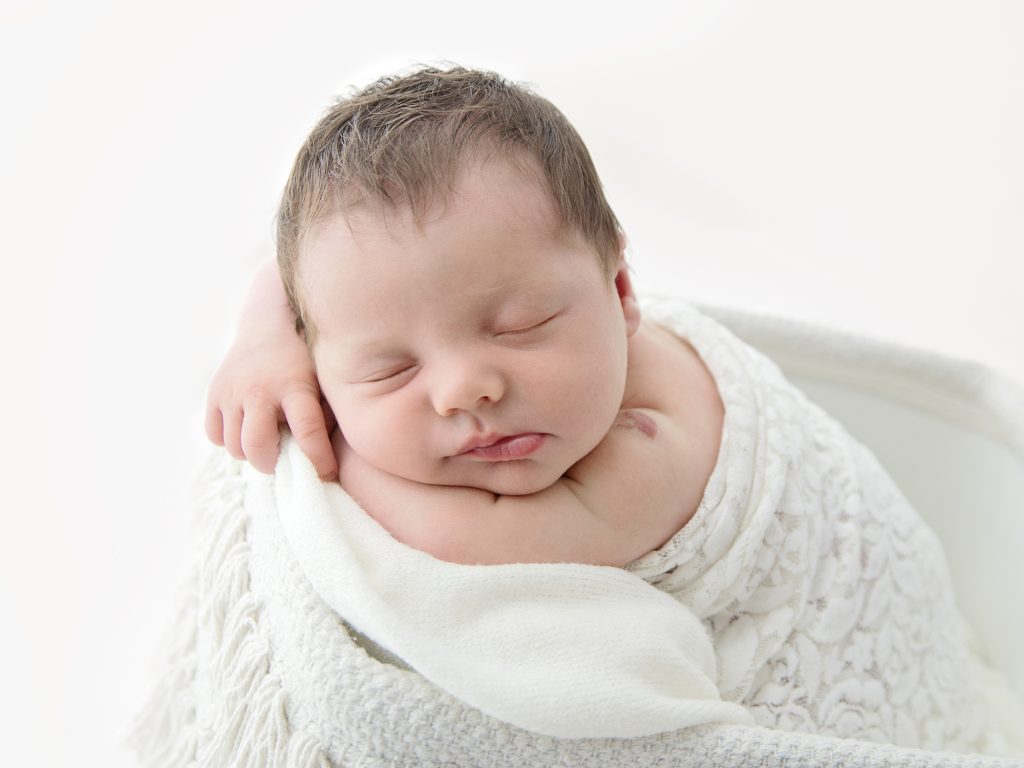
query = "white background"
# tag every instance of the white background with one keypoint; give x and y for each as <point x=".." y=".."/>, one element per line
<point x="858" y="164"/>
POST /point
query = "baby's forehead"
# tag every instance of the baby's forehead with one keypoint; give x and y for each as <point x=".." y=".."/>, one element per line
<point x="489" y="204"/>
<point x="497" y="223"/>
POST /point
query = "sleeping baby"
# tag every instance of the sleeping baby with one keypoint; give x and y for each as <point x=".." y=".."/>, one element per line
<point x="467" y="318"/>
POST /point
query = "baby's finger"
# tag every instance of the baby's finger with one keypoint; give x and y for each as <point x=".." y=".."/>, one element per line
<point x="306" y="419"/>
<point x="214" y="425"/>
<point x="260" y="435"/>
<point x="233" y="433"/>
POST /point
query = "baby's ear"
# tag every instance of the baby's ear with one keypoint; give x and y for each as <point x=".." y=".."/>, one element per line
<point x="627" y="298"/>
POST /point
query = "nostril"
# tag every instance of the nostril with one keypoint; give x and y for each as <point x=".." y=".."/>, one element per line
<point x="467" y="387"/>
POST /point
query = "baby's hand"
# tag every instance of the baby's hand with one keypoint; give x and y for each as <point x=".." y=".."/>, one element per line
<point x="260" y="384"/>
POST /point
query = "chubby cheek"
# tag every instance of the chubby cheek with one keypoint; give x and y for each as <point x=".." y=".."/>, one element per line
<point x="589" y="386"/>
<point x="386" y="437"/>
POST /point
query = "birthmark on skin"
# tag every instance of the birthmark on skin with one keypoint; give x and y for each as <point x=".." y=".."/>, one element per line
<point x="637" y="420"/>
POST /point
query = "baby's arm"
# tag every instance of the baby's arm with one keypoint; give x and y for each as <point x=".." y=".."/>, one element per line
<point x="267" y="377"/>
<point x="628" y="496"/>
<point x="618" y="503"/>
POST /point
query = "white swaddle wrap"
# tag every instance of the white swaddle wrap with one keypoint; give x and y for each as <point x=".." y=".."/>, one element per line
<point x="829" y="599"/>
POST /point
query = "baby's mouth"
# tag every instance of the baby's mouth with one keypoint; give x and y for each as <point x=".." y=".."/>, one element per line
<point x="506" y="448"/>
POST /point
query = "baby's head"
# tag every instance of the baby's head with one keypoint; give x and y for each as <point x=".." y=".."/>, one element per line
<point x="402" y="141"/>
<point x="445" y="243"/>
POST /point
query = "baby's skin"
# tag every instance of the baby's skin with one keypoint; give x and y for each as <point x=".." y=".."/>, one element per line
<point x="498" y="396"/>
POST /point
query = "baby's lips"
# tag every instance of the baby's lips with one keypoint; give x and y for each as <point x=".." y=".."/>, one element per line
<point x="508" y="448"/>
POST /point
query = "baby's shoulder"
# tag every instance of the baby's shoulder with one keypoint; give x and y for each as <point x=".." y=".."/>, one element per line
<point x="662" y="449"/>
<point x="666" y="374"/>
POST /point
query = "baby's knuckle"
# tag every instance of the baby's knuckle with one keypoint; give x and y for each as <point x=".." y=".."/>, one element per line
<point x="306" y="427"/>
<point x="300" y="390"/>
<point x="257" y="393"/>
<point x="258" y="444"/>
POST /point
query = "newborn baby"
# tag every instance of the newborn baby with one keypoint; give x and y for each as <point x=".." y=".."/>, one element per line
<point x="447" y="251"/>
<point x="490" y="369"/>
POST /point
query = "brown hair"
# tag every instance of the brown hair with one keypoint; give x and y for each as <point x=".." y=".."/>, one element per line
<point x="400" y="140"/>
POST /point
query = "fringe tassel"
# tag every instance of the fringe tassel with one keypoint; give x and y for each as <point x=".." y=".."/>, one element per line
<point x="163" y="734"/>
<point x="217" y="703"/>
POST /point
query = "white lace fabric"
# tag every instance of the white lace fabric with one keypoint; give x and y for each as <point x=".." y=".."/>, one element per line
<point x="827" y="596"/>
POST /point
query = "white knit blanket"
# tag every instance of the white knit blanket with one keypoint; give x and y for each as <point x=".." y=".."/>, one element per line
<point x="825" y="598"/>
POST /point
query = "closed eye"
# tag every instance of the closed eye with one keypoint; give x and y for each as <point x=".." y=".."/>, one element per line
<point x="390" y="373"/>
<point x="528" y="328"/>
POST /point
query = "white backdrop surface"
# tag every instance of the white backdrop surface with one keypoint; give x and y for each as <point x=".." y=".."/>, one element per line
<point x="855" y="164"/>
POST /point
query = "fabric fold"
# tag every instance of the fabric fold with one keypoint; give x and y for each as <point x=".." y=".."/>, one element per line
<point x="564" y="650"/>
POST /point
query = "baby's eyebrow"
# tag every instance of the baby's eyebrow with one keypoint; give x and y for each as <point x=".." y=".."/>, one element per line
<point x="520" y="285"/>
<point x="370" y="351"/>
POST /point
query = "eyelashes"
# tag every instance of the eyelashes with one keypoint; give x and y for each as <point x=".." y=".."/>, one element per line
<point x="386" y="375"/>
<point x="528" y="328"/>
<point x="396" y="372"/>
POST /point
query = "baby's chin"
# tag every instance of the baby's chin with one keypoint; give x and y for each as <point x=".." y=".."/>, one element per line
<point x="507" y="478"/>
<point x="518" y="487"/>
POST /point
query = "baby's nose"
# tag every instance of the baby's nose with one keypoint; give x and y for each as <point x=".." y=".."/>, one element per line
<point x="466" y="386"/>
